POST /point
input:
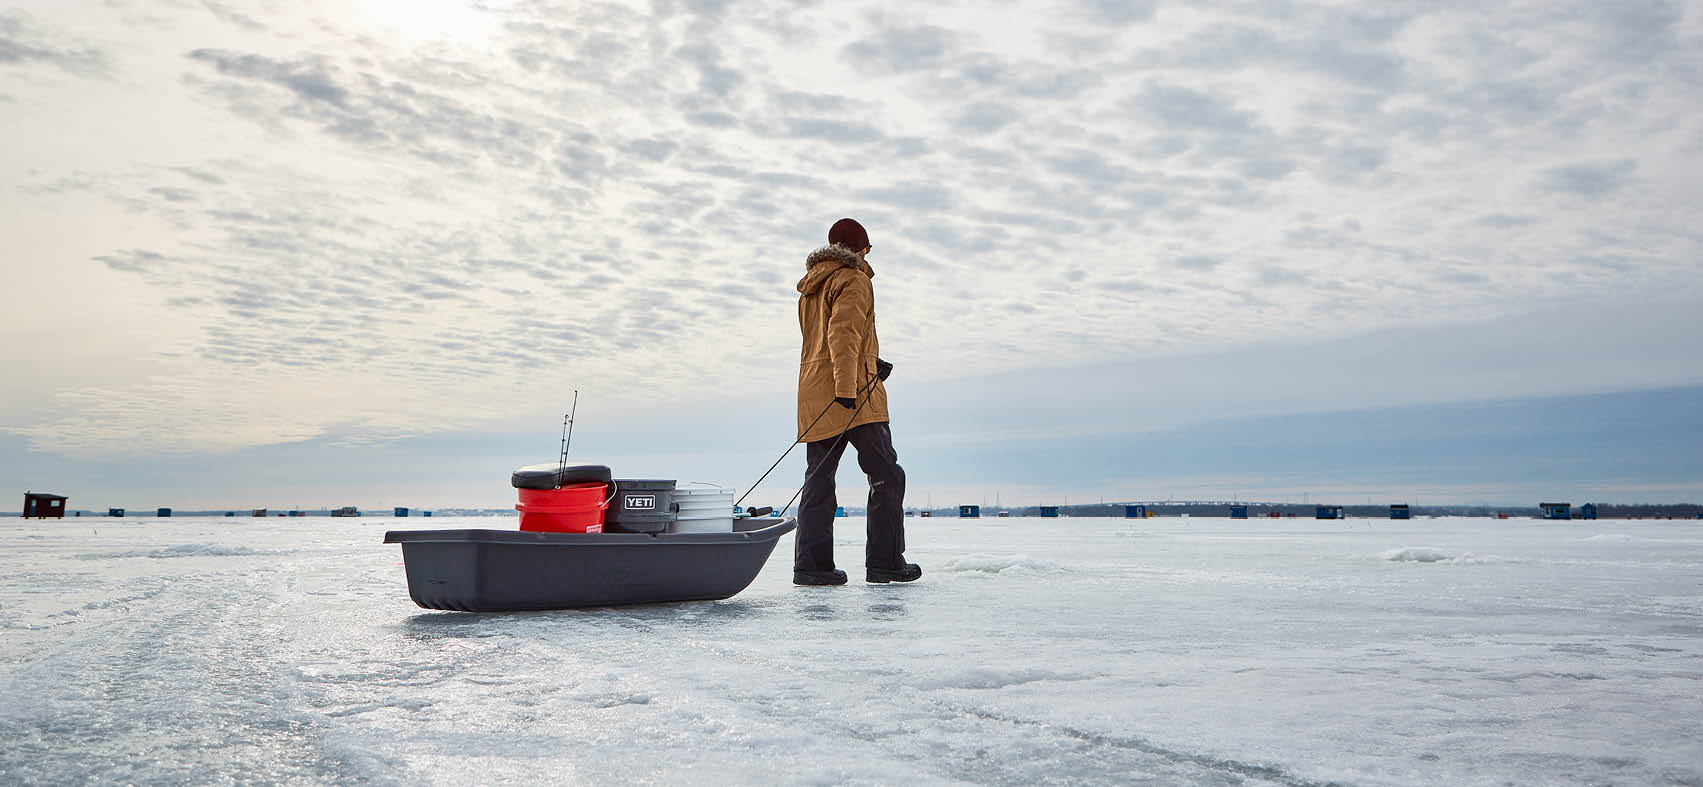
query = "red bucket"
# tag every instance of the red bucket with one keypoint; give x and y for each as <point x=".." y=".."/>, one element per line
<point x="575" y="508"/>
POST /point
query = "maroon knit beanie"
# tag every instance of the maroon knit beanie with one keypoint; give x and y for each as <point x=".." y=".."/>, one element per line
<point x="849" y="234"/>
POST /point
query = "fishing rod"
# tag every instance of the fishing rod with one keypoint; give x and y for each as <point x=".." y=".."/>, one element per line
<point x="567" y="440"/>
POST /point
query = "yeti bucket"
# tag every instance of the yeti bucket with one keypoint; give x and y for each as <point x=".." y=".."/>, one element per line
<point x="641" y="505"/>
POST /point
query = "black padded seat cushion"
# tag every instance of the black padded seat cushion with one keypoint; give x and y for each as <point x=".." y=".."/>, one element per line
<point x="544" y="476"/>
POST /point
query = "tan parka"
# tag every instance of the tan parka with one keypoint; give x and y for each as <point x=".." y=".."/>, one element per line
<point x="836" y="314"/>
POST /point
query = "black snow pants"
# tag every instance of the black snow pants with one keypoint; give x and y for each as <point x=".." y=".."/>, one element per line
<point x="813" y="545"/>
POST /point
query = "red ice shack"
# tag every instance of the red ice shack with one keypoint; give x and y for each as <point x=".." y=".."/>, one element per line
<point x="41" y="505"/>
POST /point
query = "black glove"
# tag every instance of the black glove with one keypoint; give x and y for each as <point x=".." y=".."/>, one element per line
<point x="846" y="402"/>
<point x="882" y="368"/>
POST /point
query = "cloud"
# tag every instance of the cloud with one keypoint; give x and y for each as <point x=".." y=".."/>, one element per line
<point x="462" y="222"/>
<point x="135" y="261"/>
<point x="1199" y="262"/>
<point x="984" y="117"/>
<point x="829" y="130"/>
<point x="23" y="42"/>
<point x="1118" y="12"/>
<point x="308" y="79"/>
<point x="1187" y="109"/>
<point x="234" y="17"/>
<point x="1346" y="44"/>
<point x="904" y="49"/>
<point x="1278" y="276"/>
<point x="1589" y="179"/>
<point x="1025" y="79"/>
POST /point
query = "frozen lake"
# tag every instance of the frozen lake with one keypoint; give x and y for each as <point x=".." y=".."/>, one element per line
<point x="1204" y="651"/>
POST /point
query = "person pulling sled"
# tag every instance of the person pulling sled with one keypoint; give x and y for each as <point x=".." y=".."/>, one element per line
<point x="842" y="399"/>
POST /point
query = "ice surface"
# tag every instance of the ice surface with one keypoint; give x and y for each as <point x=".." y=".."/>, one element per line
<point x="1208" y="651"/>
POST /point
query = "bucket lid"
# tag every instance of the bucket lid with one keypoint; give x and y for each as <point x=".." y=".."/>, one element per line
<point x="545" y="476"/>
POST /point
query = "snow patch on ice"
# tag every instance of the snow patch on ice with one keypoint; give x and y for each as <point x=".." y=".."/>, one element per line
<point x="124" y="600"/>
<point x="1415" y="555"/>
<point x="180" y="550"/>
<point x="998" y="564"/>
<point x="1472" y="559"/>
<point x="1434" y="555"/>
<point x="995" y="678"/>
<point x="369" y="707"/>
<point x="614" y="700"/>
<point x="1628" y="538"/>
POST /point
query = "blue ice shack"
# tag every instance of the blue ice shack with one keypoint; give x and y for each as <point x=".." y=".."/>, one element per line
<point x="1135" y="512"/>
<point x="425" y="513"/>
<point x="230" y="513"/>
<point x="1049" y="512"/>
<point x="1238" y="512"/>
<point x="1400" y="511"/>
<point x="115" y="512"/>
<point x="1328" y="512"/>
<point x="402" y="511"/>
<point x="840" y="512"/>
<point x="970" y="512"/>
<point x="1555" y="510"/>
<point x="163" y="512"/>
<point x="1588" y="511"/>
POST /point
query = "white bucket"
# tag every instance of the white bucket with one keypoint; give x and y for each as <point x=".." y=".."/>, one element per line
<point x="702" y="509"/>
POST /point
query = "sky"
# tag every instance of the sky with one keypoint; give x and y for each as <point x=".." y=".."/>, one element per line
<point x="328" y="253"/>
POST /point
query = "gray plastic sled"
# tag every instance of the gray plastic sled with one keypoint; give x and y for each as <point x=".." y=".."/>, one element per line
<point x="511" y="570"/>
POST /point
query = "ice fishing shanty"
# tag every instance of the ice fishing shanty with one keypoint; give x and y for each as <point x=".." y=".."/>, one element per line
<point x="162" y="512"/>
<point x="1555" y="510"/>
<point x="1238" y="512"/>
<point x="401" y="511"/>
<point x="44" y="506"/>
<point x="1327" y="512"/>
<point x="1400" y="511"/>
<point x="1135" y="512"/>
<point x="1588" y="511"/>
<point x="1047" y="512"/>
<point x="970" y="512"/>
<point x="115" y="512"/>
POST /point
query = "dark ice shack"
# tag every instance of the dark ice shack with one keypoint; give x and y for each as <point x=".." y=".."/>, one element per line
<point x="44" y="506"/>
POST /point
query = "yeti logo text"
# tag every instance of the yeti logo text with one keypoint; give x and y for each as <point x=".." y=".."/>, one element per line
<point x="641" y="501"/>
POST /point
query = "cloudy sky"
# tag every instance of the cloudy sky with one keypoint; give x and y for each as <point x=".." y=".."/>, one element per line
<point x="317" y="253"/>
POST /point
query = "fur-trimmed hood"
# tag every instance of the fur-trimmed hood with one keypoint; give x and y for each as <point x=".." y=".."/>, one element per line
<point x="823" y="262"/>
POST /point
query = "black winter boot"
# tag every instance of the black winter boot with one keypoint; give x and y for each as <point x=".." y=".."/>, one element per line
<point x="910" y="572"/>
<point x="835" y="577"/>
